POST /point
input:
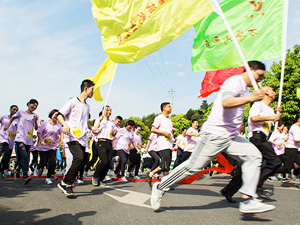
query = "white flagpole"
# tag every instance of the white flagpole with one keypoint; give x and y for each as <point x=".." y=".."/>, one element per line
<point x="283" y="46"/>
<point x="219" y="10"/>
<point x="110" y="86"/>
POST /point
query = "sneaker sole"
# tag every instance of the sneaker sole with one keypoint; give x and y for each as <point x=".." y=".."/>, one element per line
<point x="63" y="190"/>
<point x="27" y="181"/>
<point x="257" y="211"/>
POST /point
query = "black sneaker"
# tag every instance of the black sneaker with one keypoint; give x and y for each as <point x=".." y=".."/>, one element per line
<point x="66" y="189"/>
<point x="27" y="180"/>
<point x="227" y="196"/>
<point x="264" y="193"/>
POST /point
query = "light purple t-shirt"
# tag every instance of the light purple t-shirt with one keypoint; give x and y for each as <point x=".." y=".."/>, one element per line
<point x="114" y="144"/>
<point x="50" y="135"/>
<point x="226" y="122"/>
<point x="278" y="138"/>
<point x="137" y="140"/>
<point x="163" y="124"/>
<point x="106" y="129"/>
<point x="124" y="140"/>
<point x="260" y="109"/>
<point x="181" y="141"/>
<point x="9" y="135"/>
<point x="76" y="116"/>
<point x="294" y="134"/>
<point x="153" y="143"/>
<point x="25" y="128"/>
<point x="191" y="140"/>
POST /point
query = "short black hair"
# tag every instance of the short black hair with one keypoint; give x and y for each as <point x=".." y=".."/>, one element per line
<point x="52" y="112"/>
<point x="86" y="84"/>
<point x="136" y="126"/>
<point x="13" y="106"/>
<point x="100" y="113"/>
<point x="163" y="105"/>
<point x="130" y="122"/>
<point x="119" y="117"/>
<point x="256" y="65"/>
<point x="32" y="101"/>
<point x="194" y="120"/>
<point x="184" y="128"/>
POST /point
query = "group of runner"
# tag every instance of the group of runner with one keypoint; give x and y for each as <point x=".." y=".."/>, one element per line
<point x="70" y="129"/>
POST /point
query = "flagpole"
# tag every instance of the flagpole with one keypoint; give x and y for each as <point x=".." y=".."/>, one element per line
<point x="110" y="86"/>
<point x="220" y="12"/>
<point x="283" y="57"/>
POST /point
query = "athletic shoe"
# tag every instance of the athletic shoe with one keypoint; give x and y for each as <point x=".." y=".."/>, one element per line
<point x="27" y="180"/>
<point x="227" y="196"/>
<point x="156" y="196"/>
<point x="95" y="181"/>
<point x="55" y="177"/>
<point x="102" y="183"/>
<point x="264" y="193"/>
<point x="285" y="180"/>
<point x="254" y="206"/>
<point x="85" y="174"/>
<point x="272" y="178"/>
<point x="124" y="179"/>
<point x="115" y="176"/>
<point x="107" y="178"/>
<point x="48" y="181"/>
<point x="79" y="181"/>
<point x="36" y="172"/>
<point x="66" y="189"/>
<point x="137" y="177"/>
<point x="294" y="177"/>
<point x="12" y="173"/>
<point x="131" y="174"/>
<point x="6" y="173"/>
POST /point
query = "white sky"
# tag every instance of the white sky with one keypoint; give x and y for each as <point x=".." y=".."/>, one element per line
<point x="47" y="47"/>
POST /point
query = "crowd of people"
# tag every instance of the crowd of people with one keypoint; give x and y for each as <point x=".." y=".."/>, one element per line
<point x="105" y="145"/>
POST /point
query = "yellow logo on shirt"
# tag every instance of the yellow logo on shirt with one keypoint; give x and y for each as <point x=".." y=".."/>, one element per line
<point x="128" y="145"/>
<point x="48" y="141"/>
<point x="11" y="135"/>
<point x="168" y="139"/>
<point x="76" y="132"/>
<point x="110" y="134"/>
<point x="195" y="135"/>
<point x="139" y="144"/>
<point x="266" y="126"/>
<point x="183" y="143"/>
<point x="30" y="133"/>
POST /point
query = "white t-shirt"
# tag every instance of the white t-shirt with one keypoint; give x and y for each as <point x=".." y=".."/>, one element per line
<point x="226" y="122"/>
<point x="260" y="109"/>
<point x="106" y="129"/>
<point x="76" y="116"/>
<point x="124" y="140"/>
<point x="163" y="124"/>
<point x="153" y="143"/>
<point x="278" y="138"/>
<point x="191" y="140"/>
<point x="181" y="141"/>
<point x="294" y="134"/>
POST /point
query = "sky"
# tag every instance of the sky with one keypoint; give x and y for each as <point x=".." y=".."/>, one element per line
<point x="47" y="47"/>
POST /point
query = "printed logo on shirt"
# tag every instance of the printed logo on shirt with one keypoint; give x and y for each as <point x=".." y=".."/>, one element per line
<point x="195" y="135"/>
<point x="183" y="143"/>
<point x="167" y="138"/>
<point x="266" y="126"/>
<point x="76" y="132"/>
<point x="128" y="145"/>
<point x="139" y="144"/>
<point x="48" y="141"/>
<point x="11" y="135"/>
<point x="30" y="133"/>
<point x="110" y="134"/>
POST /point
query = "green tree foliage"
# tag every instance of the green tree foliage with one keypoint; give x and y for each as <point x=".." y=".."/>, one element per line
<point x="149" y="119"/>
<point x="145" y="133"/>
<point x="200" y="114"/>
<point x="180" y="121"/>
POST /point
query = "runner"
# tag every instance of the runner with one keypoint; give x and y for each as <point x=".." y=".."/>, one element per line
<point x="181" y="143"/>
<point x="134" y="155"/>
<point x="151" y="149"/>
<point x="219" y="133"/>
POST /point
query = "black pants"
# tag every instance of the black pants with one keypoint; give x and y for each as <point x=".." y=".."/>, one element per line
<point x="22" y="152"/>
<point x="166" y="157"/>
<point x="123" y="160"/>
<point x="185" y="156"/>
<point x="86" y="157"/>
<point x="292" y="156"/>
<point x="4" y="149"/>
<point x="179" y="155"/>
<point x="48" y="158"/>
<point x="94" y="157"/>
<point x="35" y="155"/>
<point x="105" y="152"/>
<point x="135" y="161"/>
<point x="156" y="159"/>
<point x="77" y="150"/>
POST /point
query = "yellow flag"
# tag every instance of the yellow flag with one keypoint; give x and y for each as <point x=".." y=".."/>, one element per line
<point x="132" y="29"/>
<point x="104" y="74"/>
<point x="298" y="92"/>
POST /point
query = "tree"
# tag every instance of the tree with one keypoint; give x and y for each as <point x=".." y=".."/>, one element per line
<point x="145" y="133"/>
<point x="179" y="122"/>
<point x="149" y="119"/>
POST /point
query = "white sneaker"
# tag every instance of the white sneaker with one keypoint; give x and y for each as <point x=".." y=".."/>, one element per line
<point x="107" y="178"/>
<point x="115" y="176"/>
<point x="80" y="181"/>
<point x="137" y="177"/>
<point x="294" y="177"/>
<point x="254" y="206"/>
<point x="36" y="172"/>
<point x="273" y="178"/>
<point x="156" y="196"/>
<point x="124" y="179"/>
<point x="132" y="174"/>
<point x="48" y="181"/>
<point x="85" y="174"/>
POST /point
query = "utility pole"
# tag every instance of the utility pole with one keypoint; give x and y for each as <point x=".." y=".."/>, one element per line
<point x="172" y="97"/>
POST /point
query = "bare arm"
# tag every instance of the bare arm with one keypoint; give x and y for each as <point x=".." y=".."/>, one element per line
<point x="147" y="146"/>
<point x="40" y="138"/>
<point x="10" y="122"/>
<point x="157" y="131"/>
<point x="66" y="128"/>
<point x="233" y="102"/>
<point x="276" y="117"/>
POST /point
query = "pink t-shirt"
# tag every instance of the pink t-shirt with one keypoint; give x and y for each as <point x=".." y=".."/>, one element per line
<point x="153" y="143"/>
<point x="124" y="139"/>
<point x="191" y="140"/>
<point x="163" y="124"/>
<point x="9" y="135"/>
<point x="226" y="122"/>
<point x="294" y="134"/>
<point x="33" y="147"/>
<point x="114" y="144"/>
<point x="181" y="141"/>
<point x="50" y="135"/>
<point x="76" y="116"/>
<point x="260" y="109"/>
<point x="106" y="129"/>
<point x="278" y="138"/>
<point x="25" y="128"/>
<point x="137" y="140"/>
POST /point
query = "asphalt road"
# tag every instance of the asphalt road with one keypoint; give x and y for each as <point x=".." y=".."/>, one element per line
<point x="128" y="203"/>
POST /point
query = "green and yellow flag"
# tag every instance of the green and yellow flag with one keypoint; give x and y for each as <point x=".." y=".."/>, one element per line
<point x="104" y="74"/>
<point x="257" y="26"/>
<point x="132" y="29"/>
